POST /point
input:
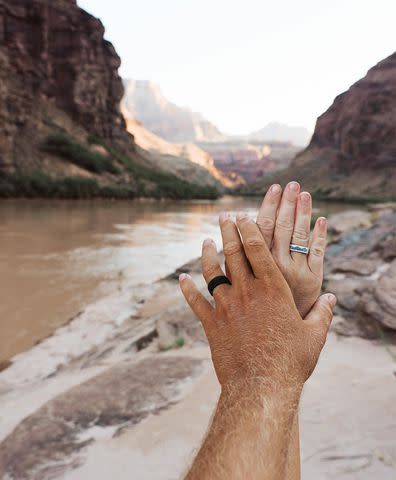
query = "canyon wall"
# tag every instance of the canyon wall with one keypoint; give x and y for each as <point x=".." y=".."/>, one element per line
<point x="144" y="101"/>
<point x="352" y="154"/>
<point x="60" y="115"/>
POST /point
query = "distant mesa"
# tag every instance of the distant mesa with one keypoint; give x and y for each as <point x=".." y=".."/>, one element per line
<point x="352" y="153"/>
<point x="240" y="159"/>
<point x="144" y="101"/>
<point x="279" y="132"/>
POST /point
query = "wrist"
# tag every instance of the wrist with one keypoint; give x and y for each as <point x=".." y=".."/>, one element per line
<point x="255" y="389"/>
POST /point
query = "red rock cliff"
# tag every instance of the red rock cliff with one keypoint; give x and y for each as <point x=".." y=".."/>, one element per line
<point x="361" y="123"/>
<point x="352" y="153"/>
<point x="54" y="53"/>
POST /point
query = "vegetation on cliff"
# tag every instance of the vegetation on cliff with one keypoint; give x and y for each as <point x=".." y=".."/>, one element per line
<point x="148" y="182"/>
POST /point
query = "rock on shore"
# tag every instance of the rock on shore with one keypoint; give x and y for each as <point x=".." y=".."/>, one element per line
<point x="47" y="443"/>
<point x="361" y="270"/>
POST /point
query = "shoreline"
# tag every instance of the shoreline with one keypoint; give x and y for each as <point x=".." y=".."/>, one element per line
<point x="354" y="200"/>
<point x="127" y="304"/>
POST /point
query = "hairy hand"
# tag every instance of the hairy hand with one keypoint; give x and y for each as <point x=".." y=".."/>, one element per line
<point x="252" y="335"/>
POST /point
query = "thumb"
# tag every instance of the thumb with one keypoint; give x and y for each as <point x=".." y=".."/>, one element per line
<point x="321" y="314"/>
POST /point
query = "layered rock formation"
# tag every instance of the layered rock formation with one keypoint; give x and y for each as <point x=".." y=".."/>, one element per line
<point x="250" y="160"/>
<point x="59" y="108"/>
<point x="47" y="443"/>
<point x="145" y="101"/>
<point x="241" y="159"/>
<point x="353" y="149"/>
<point x="185" y="160"/>
<point x="54" y="60"/>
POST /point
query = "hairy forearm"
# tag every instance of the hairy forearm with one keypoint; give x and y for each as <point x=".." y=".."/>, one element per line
<point x="250" y="433"/>
<point x="293" y="466"/>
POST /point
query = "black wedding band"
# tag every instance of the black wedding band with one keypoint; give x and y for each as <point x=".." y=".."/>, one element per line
<point x="216" y="281"/>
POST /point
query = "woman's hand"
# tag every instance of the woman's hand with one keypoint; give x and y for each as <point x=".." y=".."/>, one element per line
<point x="255" y="329"/>
<point x="285" y="219"/>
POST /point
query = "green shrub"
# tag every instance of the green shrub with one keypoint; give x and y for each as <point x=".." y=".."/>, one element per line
<point x="40" y="184"/>
<point x="66" y="147"/>
<point x="179" y="342"/>
<point x="149" y="182"/>
<point x="164" y="184"/>
<point x="314" y="217"/>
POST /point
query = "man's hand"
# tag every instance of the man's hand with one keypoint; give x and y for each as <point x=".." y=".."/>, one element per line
<point x="262" y="351"/>
<point x="251" y="335"/>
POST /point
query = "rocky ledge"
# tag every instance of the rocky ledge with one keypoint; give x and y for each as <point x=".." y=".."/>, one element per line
<point x="361" y="271"/>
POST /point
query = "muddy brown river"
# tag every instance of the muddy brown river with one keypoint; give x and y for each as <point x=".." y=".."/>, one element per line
<point x="57" y="257"/>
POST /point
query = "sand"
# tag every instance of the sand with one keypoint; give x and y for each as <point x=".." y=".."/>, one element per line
<point x="348" y="423"/>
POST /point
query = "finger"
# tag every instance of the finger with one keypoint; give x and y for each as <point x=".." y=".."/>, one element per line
<point x="267" y="213"/>
<point x="285" y="220"/>
<point x="197" y="302"/>
<point x="255" y="247"/>
<point x="302" y="225"/>
<point x="318" y="247"/>
<point x="227" y="270"/>
<point x="320" y="316"/>
<point x="211" y="266"/>
<point x="234" y="253"/>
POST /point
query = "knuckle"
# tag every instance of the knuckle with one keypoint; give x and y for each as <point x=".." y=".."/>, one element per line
<point x="210" y="269"/>
<point x="317" y="251"/>
<point x="266" y="223"/>
<point x="194" y="298"/>
<point x="255" y="243"/>
<point x="232" y="248"/>
<point x="290" y="201"/>
<point x="285" y="224"/>
<point x="301" y="234"/>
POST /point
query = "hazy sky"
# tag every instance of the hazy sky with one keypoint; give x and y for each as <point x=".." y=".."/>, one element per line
<point x="245" y="63"/>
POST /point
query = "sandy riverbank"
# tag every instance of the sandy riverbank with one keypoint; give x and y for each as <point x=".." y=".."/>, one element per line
<point x="348" y="423"/>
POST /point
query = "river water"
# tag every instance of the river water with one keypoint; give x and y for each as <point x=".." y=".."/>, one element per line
<point x="57" y="257"/>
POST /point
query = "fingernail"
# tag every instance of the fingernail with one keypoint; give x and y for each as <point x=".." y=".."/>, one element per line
<point x="275" y="189"/>
<point x="322" y="221"/>
<point x="207" y="242"/>
<point x="223" y="217"/>
<point x="242" y="215"/>
<point x="331" y="299"/>
<point x="183" y="276"/>
<point x="294" y="186"/>
<point x="305" y="198"/>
